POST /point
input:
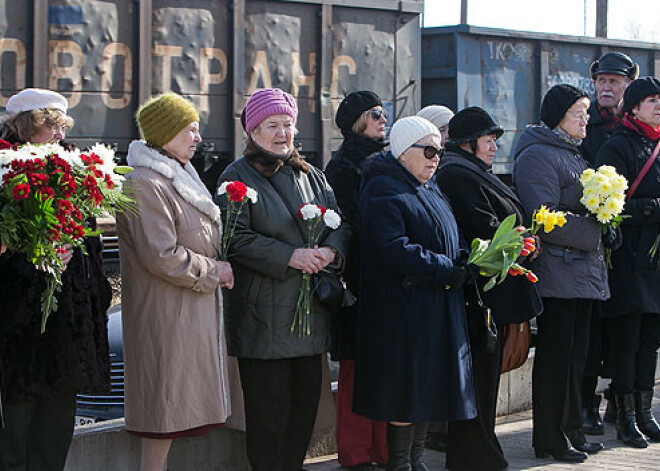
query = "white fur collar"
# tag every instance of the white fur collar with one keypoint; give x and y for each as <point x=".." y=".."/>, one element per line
<point x="185" y="180"/>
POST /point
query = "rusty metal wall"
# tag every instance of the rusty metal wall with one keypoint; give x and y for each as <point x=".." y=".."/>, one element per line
<point x="508" y="72"/>
<point x="106" y="56"/>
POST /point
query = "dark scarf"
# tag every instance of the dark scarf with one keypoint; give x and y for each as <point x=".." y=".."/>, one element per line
<point x="610" y="119"/>
<point x="357" y="147"/>
<point x="267" y="163"/>
<point x="641" y="128"/>
<point x="455" y="148"/>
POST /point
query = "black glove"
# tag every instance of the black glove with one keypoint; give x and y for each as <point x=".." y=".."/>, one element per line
<point x="462" y="274"/>
<point x="612" y="238"/>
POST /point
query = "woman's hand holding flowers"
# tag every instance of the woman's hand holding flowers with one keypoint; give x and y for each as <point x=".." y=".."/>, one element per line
<point x="308" y="261"/>
<point x="226" y="275"/>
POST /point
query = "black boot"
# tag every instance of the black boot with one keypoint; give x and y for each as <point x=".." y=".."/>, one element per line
<point x="591" y="422"/>
<point x="580" y="443"/>
<point x="610" y="411"/>
<point x="626" y="428"/>
<point x="399" y="445"/>
<point x="645" y="420"/>
<point x="417" y="450"/>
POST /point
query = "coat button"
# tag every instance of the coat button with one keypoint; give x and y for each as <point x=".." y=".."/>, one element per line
<point x="602" y="293"/>
<point x="600" y="257"/>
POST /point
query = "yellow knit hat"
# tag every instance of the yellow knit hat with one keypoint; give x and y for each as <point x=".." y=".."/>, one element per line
<point x="162" y="117"/>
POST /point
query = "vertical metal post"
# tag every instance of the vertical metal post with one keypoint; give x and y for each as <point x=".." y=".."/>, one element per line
<point x="238" y="72"/>
<point x="656" y="64"/>
<point x="601" y="18"/>
<point x="40" y="44"/>
<point x="144" y="50"/>
<point x="544" y="71"/>
<point x="464" y="12"/>
<point x="324" y="75"/>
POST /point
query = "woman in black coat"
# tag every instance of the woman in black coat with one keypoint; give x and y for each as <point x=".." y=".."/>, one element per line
<point x="361" y="119"/>
<point x="481" y="201"/>
<point x="632" y="315"/>
<point x="41" y="373"/>
<point x="412" y="359"/>
<point x="570" y="266"/>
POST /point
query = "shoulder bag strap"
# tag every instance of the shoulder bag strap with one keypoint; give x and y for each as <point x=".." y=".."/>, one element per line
<point x="644" y="171"/>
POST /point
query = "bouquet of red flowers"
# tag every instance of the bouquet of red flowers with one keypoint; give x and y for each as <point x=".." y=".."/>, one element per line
<point x="237" y="194"/>
<point x="47" y="196"/>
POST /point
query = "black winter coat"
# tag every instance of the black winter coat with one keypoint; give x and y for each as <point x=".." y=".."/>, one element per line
<point x="481" y="201"/>
<point x="597" y="135"/>
<point x="344" y="173"/>
<point x="72" y="354"/>
<point x="634" y="278"/>
<point x="412" y="356"/>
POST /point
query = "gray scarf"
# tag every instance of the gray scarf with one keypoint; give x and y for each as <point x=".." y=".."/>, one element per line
<point x="564" y="136"/>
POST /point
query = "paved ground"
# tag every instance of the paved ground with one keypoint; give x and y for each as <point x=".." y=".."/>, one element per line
<point x="515" y="433"/>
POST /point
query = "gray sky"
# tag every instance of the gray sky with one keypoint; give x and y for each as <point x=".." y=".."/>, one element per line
<point x="627" y="19"/>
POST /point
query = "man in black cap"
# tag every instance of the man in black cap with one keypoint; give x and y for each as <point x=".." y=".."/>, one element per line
<point x="612" y="73"/>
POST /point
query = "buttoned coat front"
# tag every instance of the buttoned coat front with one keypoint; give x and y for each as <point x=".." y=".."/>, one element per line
<point x="174" y="347"/>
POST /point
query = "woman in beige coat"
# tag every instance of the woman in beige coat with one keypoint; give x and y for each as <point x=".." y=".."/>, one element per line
<point x="174" y="347"/>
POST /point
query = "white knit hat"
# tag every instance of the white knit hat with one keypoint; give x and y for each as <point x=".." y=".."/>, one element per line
<point x="36" y="98"/>
<point x="408" y="131"/>
<point x="437" y="114"/>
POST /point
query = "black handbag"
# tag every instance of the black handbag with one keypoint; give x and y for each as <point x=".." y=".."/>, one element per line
<point x="481" y="327"/>
<point x="331" y="290"/>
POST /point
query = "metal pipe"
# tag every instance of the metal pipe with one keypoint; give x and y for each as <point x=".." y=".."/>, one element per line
<point x="601" y="18"/>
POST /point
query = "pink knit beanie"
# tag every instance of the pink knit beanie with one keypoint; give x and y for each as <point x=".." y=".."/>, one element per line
<point x="265" y="103"/>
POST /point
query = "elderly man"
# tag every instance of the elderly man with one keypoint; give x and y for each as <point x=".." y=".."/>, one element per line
<point x="612" y="73"/>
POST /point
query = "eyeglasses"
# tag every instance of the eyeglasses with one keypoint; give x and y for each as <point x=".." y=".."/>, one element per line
<point x="430" y="151"/>
<point x="376" y="114"/>
<point x="581" y="117"/>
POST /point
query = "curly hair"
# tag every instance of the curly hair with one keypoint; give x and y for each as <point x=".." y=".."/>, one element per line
<point x="28" y="123"/>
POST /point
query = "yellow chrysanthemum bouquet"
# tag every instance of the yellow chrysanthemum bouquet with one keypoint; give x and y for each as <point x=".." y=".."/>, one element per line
<point x="604" y="194"/>
<point x="498" y="257"/>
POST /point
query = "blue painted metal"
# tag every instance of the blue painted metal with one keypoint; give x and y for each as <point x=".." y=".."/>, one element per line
<point x="508" y="72"/>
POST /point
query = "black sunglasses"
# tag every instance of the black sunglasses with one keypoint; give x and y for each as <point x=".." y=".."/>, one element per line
<point x="376" y="114"/>
<point x="430" y="151"/>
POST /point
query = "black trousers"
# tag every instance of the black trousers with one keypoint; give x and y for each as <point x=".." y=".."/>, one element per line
<point x="633" y="342"/>
<point x="281" y="401"/>
<point x="561" y="354"/>
<point x="37" y="434"/>
<point x="472" y="444"/>
<point x="595" y="357"/>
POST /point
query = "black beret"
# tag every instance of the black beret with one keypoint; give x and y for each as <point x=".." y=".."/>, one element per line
<point x="638" y="90"/>
<point x="353" y="106"/>
<point x="470" y="124"/>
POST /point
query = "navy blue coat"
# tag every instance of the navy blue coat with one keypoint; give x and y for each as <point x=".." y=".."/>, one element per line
<point x="412" y="355"/>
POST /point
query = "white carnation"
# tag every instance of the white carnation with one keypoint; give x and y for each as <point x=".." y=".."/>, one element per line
<point x="222" y="189"/>
<point x="252" y="194"/>
<point x="310" y="211"/>
<point x="331" y="219"/>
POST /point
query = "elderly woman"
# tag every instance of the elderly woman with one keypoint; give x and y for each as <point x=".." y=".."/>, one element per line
<point x="632" y="315"/>
<point x="41" y="373"/>
<point x="174" y="348"/>
<point x="570" y="266"/>
<point x="412" y="355"/>
<point x="440" y="116"/>
<point x="280" y="370"/>
<point x="481" y="201"/>
<point x="361" y="119"/>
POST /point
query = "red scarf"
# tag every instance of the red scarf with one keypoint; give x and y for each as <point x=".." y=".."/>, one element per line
<point x="641" y="128"/>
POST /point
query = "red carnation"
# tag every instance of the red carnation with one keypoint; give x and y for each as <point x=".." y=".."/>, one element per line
<point x="236" y="191"/>
<point x="21" y="191"/>
<point x="46" y="192"/>
<point x="4" y="145"/>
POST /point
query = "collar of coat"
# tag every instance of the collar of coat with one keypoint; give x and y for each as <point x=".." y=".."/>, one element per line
<point x="185" y="180"/>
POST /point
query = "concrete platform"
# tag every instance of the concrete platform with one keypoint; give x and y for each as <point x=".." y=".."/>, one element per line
<point x="515" y="434"/>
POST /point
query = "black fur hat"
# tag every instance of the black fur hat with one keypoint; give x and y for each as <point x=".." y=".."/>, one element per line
<point x="470" y="124"/>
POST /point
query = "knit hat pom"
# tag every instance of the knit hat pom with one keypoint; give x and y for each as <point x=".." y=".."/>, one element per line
<point x="407" y="131"/>
<point x="265" y="103"/>
<point x="557" y="102"/>
<point x="437" y="114"/>
<point x="162" y="117"/>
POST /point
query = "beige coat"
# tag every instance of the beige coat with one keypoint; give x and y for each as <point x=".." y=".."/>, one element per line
<point x="174" y="345"/>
